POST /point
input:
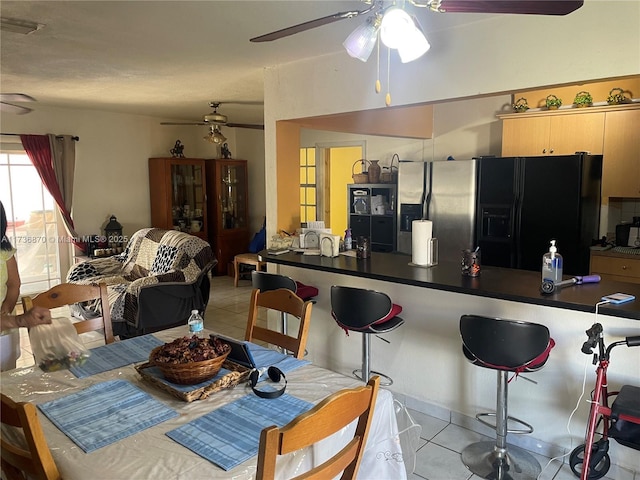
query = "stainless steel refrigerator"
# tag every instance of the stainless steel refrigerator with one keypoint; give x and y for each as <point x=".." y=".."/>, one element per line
<point x="524" y="203"/>
<point x="443" y="192"/>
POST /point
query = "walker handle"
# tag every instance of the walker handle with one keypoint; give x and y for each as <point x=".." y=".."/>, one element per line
<point x="633" y="341"/>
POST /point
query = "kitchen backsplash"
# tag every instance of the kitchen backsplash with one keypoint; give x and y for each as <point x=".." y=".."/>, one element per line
<point x="621" y="211"/>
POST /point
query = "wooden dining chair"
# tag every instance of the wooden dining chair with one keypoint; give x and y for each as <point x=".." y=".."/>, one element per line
<point x="326" y="418"/>
<point x="281" y="300"/>
<point x="36" y="460"/>
<point x="71" y="293"/>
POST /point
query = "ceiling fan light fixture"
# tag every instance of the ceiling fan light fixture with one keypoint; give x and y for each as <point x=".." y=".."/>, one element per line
<point x="359" y="44"/>
<point x="395" y="26"/>
<point x="415" y="44"/>
<point x="215" y="136"/>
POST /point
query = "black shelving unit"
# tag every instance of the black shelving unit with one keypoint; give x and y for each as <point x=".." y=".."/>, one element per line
<point x="365" y="220"/>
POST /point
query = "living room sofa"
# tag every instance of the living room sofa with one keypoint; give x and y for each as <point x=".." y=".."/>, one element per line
<point x="154" y="284"/>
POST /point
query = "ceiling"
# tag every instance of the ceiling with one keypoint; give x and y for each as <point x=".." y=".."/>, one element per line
<point x="167" y="58"/>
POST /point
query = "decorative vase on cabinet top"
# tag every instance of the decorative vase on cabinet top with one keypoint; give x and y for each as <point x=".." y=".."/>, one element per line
<point x="374" y="172"/>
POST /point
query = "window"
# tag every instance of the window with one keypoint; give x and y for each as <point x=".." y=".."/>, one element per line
<point x="308" y="190"/>
<point x="33" y="222"/>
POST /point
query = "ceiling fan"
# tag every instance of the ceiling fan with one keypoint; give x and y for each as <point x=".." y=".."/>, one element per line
<point x="6" y="106"/>
<point x="216" y="120"/>
<point x="528" y="7"/>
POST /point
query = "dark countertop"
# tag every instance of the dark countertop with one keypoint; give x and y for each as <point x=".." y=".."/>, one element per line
<point x="612" y="253"/>
<point x="501" y="283"/>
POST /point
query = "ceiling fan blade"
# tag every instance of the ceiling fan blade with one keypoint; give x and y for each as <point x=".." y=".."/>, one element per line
<point x="245" y="125"/>
<point x="184" y="123"/>
<point x="16" y="109"/>
<point x="530" y="7"/>
<point x="318" y="22"/>
<point x="16" y="97"/>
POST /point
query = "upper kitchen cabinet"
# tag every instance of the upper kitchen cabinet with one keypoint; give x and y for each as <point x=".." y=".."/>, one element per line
<point x="228" y="207"/>
<point x="621" y="169"/>
<point x="552" y="133"/>
<point x="178" y="194"/>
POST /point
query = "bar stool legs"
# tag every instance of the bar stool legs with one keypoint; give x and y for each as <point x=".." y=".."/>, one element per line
<point x="492" y="460"/>
<point x="365" y="372"/>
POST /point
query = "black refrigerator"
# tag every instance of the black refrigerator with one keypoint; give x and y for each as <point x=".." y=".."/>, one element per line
<point x="524" y="202"/>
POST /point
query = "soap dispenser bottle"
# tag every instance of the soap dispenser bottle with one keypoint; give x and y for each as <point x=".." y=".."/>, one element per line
<point x="347" y="239"/>
<point x="552" y="264"/>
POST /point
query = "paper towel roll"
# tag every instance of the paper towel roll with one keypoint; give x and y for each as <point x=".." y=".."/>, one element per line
<point x="421" y="232"/>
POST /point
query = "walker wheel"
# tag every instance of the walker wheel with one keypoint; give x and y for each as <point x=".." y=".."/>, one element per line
<point x="597" y="471"/>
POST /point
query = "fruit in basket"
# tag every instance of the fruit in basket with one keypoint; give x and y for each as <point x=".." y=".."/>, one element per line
<point x="189" y="349"/>
<point x="190" y="360"/>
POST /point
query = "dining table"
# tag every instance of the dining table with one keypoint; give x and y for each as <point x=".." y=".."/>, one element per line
<point x="119" y="425"/>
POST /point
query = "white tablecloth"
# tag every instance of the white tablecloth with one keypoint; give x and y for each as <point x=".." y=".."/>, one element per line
<point x="151" y="454"/>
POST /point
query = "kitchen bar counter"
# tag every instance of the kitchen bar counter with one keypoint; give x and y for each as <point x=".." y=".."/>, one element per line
<point x="424" y="356"/>
<point x="493" y="282"/>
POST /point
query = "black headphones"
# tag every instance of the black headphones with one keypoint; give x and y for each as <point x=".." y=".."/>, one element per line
<point x="275" y="374"/>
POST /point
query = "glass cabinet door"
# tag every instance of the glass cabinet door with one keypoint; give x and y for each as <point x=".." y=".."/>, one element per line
<point x="233" y="196"/>
<point x="187" y="197"/>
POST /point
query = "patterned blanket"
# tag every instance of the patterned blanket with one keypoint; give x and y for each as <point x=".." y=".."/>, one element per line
<point x="153" y="256"/>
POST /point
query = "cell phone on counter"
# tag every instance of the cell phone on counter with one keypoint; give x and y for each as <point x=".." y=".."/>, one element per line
<point x="618" y="298"/>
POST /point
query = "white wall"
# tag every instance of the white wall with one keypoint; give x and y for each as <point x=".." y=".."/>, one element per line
<point x="112" y="176"/>
<point x="250" y="146"/>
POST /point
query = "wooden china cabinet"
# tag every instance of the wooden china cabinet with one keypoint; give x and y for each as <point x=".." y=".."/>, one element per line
<point x="178" y="191"/>
<point x="228" y="209"/>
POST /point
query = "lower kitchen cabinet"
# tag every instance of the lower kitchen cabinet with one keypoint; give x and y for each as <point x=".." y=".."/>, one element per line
<point x="616" y="266"/>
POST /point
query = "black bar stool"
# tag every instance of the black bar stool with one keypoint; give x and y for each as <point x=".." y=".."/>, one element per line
<point x="265" y="281"/>
<point x="507" y="346"/>
<point x="368" y="312"/>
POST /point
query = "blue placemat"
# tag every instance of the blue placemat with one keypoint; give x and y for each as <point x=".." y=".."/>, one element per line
<point x="105" y="413"/>
<point x="230" y="435"/>
<point x="267" y="357"/>
<point x="116" y="355"/>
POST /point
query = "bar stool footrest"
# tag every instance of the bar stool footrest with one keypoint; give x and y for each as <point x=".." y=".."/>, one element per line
<point x="527" y="430"/>
<point x="358" y="374"/>
<point x="487" y="461"/>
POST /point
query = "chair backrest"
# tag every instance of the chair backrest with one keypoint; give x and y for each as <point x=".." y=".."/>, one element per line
<point x="503" y="344"/>
<point x="358" y="308"/>
<point x="265" y="281"/>
<point x="35" y="459"/>
<point x="327" y="417"/>
<point x="281" y="300"/>
<point x="71" y="293"/>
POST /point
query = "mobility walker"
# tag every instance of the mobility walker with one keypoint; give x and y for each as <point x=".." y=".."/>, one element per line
<point x="620" y="421"/>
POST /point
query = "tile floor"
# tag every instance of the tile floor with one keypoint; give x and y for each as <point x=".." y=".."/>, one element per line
<point x="438" y="451"/>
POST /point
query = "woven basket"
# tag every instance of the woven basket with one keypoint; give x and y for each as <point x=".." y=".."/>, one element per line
<point x="236" y="375"/>
<point x="390" y="173"/>
<point x="360" y="177"/>
<point x="189" y="373"/>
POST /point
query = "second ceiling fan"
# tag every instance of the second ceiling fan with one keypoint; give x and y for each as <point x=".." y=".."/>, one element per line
<point x="217" y="119"/>
<point x="214" y="121"/>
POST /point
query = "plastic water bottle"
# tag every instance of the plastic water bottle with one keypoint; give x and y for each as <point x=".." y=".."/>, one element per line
<point x="196" y="324"/>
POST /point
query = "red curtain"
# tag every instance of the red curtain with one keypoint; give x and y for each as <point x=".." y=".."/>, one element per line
<point x="39" y="151"/>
